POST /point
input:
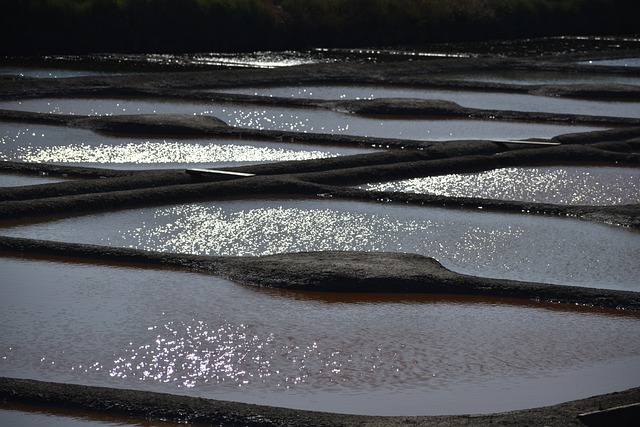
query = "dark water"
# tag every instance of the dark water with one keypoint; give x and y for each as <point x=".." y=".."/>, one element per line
<point x="472" y="99"/>
<point x="199" y="335"/>
<point x="56" y="66"/>
<point x="12" y="414"/>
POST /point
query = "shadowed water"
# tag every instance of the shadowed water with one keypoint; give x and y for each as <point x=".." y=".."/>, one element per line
<point x="52" y="72"/>
<point x="521" y="77"/>
<point x="23" y="415"/>
<point x="622" y="62"/>
<point x="511" y="246"/>
<point x="12" y="180"/>
<point x="64" y="66"/>
<point x="199" y="335"/>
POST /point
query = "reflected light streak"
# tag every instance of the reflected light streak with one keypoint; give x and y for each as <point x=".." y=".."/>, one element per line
<point x="162" y="152"/>
<point x="569" y="185"/>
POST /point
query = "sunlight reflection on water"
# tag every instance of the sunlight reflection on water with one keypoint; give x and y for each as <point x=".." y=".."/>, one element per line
<point x="186" y="333"/>
<point x="516" y="246"/>
<point x="574" y="185"/>
<point x="306" y="120"/>
<point x="160" y="152"/>
<point x="52" y="144"/>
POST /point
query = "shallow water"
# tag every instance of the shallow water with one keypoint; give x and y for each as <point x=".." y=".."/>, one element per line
<point x="511" y="246"/>
<point x="521" y="77"/>
<point x="14" y="180"/>
<point x="572" y="185"/>
<point x="32" y="417"/>
<point x="301" y="119"/>
<point x="38" y="419"/>
<point x="199" y="335"/>
<point x="79" y="147"/>
<point x="472" y="99"/>
<point x="53" y="72"/>
<point x="623" y="62"/>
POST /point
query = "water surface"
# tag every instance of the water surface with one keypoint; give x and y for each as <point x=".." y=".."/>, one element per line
<point x="570" y="185"/>
<point x="521" y="77"/>
<point x="472" y="99"/>
<point x="15" y="180"/>
<point x="301" y="119"/>
<point x="198" y="335"/>
<point x="53" y="72"/>
<point x="623" y="62"/>
<point x="14" y="415"/>
<point x="79" y="147"/>
<point x="511" y="246"/>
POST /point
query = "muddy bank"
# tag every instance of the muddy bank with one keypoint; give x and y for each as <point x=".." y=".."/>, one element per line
<point x="433" y="73"/>
<point x="182" y="409"/>
<point x="327" y="177"/>
<point x="334" y="271"/>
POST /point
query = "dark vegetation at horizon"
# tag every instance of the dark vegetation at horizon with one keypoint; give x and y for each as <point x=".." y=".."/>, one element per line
<point x="188" y="26"/>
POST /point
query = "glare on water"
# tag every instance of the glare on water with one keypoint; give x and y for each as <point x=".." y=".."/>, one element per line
<point x="199" y="335"/>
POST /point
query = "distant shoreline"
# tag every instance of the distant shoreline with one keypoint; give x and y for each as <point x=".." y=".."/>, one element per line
<point x="161" y="26"/>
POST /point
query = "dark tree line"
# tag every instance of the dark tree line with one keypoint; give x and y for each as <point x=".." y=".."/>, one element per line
<point x="84" y="26"/>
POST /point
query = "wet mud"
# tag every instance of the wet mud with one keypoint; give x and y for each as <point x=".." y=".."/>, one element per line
<point x="333" y="271"/>
<point x="198" y="411"/>
<point x="100" y="190"/>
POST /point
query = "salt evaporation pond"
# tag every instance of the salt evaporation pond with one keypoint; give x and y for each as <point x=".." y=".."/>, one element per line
<point x="53" y="73"/>
<point x="472" y="99"/>
<point x="79" y="147"/>
<point x="572" y="185"/>
<point x="521" y="77"/>
<point x="301" y="119"/>
<point x="622" y="62"/>
<point x="22" y="415"/>
<point x="511" y="246"/>
<point x="198" y="335"/>
<point x="15" y="180"/>
<point x="65" y="66"/>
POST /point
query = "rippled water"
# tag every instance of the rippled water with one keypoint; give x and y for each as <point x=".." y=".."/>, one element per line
<point x="203" y="336"/>
<point x="573" y="185"/>
<point x="80" y="147"/>
<point x="512" y="246"/>
<point x="473" y="99"/>
<point x="302" y="119"/>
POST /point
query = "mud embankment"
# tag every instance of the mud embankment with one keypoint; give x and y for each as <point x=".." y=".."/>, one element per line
<point x="182" y="409"/>
<point x="329" y="177"/>
<point x="334" y="271"/>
